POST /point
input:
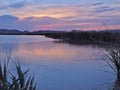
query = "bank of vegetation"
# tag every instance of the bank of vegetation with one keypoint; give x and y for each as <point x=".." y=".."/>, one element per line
<point x="77" y="37"/>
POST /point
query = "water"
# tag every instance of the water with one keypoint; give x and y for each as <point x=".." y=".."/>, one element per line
<point x="58" y="66"/>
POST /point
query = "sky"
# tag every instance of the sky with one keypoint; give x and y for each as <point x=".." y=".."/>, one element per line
<point x="65" y="15"/>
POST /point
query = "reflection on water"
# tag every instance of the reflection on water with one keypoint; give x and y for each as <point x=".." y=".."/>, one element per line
<point x="57" y="66"/>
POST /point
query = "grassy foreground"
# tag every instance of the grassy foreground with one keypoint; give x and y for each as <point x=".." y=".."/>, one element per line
<point x="17" y="80"/>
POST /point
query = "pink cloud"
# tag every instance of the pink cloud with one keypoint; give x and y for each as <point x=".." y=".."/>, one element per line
<point x="63" y="17"/>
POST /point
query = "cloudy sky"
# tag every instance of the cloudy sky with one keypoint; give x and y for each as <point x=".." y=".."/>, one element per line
<point x="59" y="14"/>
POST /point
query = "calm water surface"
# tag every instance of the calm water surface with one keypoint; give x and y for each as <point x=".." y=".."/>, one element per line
<point x="58" y="66"/>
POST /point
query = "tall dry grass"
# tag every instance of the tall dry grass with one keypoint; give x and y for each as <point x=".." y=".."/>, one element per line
<point x="17" y="80"/>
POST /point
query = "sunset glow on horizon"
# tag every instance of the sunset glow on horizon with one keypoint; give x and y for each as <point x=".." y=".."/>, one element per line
<point x="67" y="15"/>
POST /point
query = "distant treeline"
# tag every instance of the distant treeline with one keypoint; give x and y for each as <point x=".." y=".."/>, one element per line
<point x="111" y="36"/>
<point x="12" y="32"/>
<point x="19" y="32"/>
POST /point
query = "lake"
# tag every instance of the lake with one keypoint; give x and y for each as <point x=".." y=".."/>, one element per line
<point x="58" y="66"/>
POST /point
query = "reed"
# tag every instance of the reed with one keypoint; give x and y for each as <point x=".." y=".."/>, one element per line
<point x="87" y="36"/>
<point x="112" y="58"/>
<point x="18" y="81"/>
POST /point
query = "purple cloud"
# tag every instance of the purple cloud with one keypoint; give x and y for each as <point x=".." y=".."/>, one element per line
<point x="103" y="9"/>
<point x="7" y="21"/>
<point x="8" y="18"/>
<point x="97" y="4"/>
<point x="30" y="23"/>
<point x="18" y="4"/>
